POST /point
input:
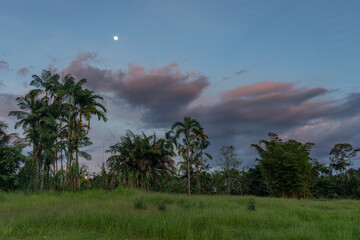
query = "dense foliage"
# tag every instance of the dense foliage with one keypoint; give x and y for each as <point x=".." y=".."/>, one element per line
<point x="286" y="166"/>
<point x="10" y="160"/>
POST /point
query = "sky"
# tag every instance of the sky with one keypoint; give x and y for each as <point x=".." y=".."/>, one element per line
<point x="242" y="68"/>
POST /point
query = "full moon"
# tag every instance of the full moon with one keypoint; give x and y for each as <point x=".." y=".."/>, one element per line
<point x="116" y="38"/>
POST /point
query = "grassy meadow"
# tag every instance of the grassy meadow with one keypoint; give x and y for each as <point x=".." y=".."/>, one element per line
<point x="97" y="214"/>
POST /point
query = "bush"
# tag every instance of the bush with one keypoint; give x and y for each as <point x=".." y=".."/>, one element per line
<point x="201" y="205"/>
<point x="188" y="204"/>
<point x="161" y="205"/>
<point x="251" y="204"/>
<point x="139" y="203"/>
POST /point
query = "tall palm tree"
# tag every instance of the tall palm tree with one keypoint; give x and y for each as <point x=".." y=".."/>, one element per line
<point x="29" y="119"/>
<point x="185" y="130"/>
<point x="87" y="105"/>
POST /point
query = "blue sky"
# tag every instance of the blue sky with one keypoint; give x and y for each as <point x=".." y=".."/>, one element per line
<point x="307" y="44"/>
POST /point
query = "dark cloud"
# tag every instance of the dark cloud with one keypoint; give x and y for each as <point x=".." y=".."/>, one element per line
<point x="164" y="93"/>
<point x="264" y="105"/>
<point x="23" y="71"/>
<point x="4" y="65"/>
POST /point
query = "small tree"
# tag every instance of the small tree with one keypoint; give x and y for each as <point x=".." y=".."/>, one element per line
<point x="341" y="155"/>
<point x="10" y="160"/>
<point x="229" y="161"/>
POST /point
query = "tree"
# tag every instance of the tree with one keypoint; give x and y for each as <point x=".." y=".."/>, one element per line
<point x="5" y="137"/>
<point x="10" y="160"/>
<point x="87" y="105"/>
<point x="229" y="161"/>
<point x="341" y="155"/>
<point x="186" y="130"/>
<point x="29" y="119"/>
<point x="52" y="116"/>
<point x="141" y="158"/>
<point x="286" y="166"/>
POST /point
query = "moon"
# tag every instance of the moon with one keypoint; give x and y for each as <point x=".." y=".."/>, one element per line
<point x="116" y="38"/>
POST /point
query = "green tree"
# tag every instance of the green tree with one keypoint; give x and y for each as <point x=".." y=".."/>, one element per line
<point x="10" y="160"/>
<point x="87" y="105"/>
<point x="229" y="161"/>
<point x="141" y="159"/>
<point x="286" y="166"/>
<point x="29" y="119"/>
<point x="341" y="155"/>
<point x="5" y="137"/>
<point x="186" y="130"/>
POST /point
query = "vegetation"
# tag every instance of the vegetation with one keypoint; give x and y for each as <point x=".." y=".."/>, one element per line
<point x="229" y="161"/>
<point x="55" y="118"/>
<point x="286" y="166"/>
<point x="100" y="214"/>
<point x="10" y="159"/>
<point x="193" y="142"/>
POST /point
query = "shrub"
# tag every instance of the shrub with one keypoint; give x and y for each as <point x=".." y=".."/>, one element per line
<point x="139" y="203"/>
<point x="161" y="205"/>
<point x="251" y="204"/>
<point x="201" y="205"/>
<point x="188" y="204"/>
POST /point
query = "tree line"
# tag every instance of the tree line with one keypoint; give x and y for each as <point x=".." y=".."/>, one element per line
<point x="55" y="118"/>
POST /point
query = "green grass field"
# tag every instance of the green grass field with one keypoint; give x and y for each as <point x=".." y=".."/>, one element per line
<point x="97" y="214"/>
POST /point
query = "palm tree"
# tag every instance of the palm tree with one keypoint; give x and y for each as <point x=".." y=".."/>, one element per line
<point x="29" y="118"/>
<point x="5" y="137"/>
<point x="142" y="157"/>
<point x="199" y="156"/>
<point x="187" y="130"/>
<point x="87" y="105"/>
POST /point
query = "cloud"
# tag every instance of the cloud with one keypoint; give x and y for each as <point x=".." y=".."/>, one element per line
<point x="23" y="71"/>
<point x="261" y="106"/>
<point x="4" y="65"/>
<point x="7" y="103"/>
<point x="326" y="134"/>
<point x="240" y="72"/>
<point x="163" y="93"/>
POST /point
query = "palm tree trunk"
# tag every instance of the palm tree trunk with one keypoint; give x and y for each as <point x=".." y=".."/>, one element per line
<point x="43" y="172"/>
<point x="347" y="174"/>
<point x="77" y="140"/>
<point x="69" y="134"/>
<point x="188" y="167"/>
<point x="34" y="169"/>
<point x="55" y="160"/>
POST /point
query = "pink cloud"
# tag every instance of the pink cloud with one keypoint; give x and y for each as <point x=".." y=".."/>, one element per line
<point x="23" y="71"/>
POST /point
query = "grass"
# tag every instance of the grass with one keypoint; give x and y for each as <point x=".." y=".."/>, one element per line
<point x="97" y="214"/>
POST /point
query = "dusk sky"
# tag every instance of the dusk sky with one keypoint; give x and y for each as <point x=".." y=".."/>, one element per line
<point x="242" y="68"/>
